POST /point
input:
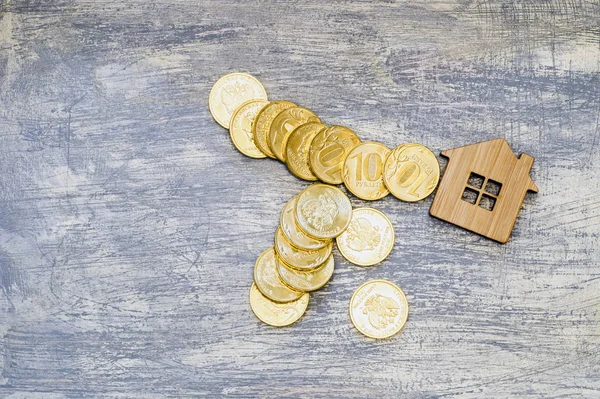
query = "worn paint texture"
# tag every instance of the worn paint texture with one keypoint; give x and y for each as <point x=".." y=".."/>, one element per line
<point x="129" y="224"/>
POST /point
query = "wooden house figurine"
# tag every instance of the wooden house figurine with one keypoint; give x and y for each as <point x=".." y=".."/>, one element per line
<point x="483" y="188"/>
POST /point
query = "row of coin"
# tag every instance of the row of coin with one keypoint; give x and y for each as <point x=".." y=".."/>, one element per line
<point x="314" y="151"/>
<point x="301" y="261"/>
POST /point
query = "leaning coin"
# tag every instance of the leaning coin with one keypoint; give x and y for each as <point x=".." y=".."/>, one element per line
<point x="378" y="309"/>
<point x="240" y="128"/>
<point x="369" y="238"/>
<point x="277" y="314"/>
<point x="298" y="258"/>
<point x="307" y="280"/>
<point x="328" y="151"/>
<point x="411" y="172"/>
<point x="290" y="229"/>
<point x="363" y="171"/>
<point x="267" y="279"/>
<point x="283" y="124"/>
<point x="323" y="211"/>
<point x="297" y="149"/>
<point x="262" y="124"/>
<point x="231" y="91"/>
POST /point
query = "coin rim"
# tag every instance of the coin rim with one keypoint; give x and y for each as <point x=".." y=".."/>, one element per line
<point x="212" y="90"/>
<point x="268" y="151"/>
<point x="277" y="274"/>
<point x="233" y="116"/>
<point x="404" y="300"/>
<point x="312" y="177"/>
<point x="296" y="271"/>
<point x="271" y="324"/>
<point x="382" y="169"/>
<point x="340" y="247"/>
<point x="329" y="186"/>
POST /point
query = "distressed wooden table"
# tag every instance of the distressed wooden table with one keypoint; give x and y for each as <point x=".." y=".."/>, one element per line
<point x="129" y="224"/>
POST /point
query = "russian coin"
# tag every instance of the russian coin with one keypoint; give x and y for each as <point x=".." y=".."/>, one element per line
<point x="262" y="124"/>
<point x="363" y="171"/>
<point x="283" y="124"/>
<point x="267" y="279"/>
<point x="310" y="280"/>
<point x="378" y="309"/>
<point x="411" y="172"/>
<point x="369" y="238"/>
<point x="295" y="236"/>
<point x="298" y="258"/>
<point x="297" y="149"/>
<point x="240" y="128"/>
<point x="277" y="314"/>
<point x="231" y="91"/>
<point x="323" y="211"/>
<point x="328" y="150"/>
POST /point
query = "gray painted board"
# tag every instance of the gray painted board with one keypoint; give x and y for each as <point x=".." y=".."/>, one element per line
<point x="129" y="224"/>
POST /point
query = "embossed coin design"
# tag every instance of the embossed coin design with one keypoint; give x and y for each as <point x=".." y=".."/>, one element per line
<point x="297" y="149"/>
<point x="307" y="280"/>
<point x="240" y="128"/>
<point x="262" y="124"/>
<point x="267" y="279"/>
<point x="295" y="236"/>
<point x="231" y="91"/>
<point x="283" y="124"/>
<point x="369" y="238"/>
<point x="328" y="150"/>
<point x="277" y="314"/>
<point x="363" y="171"/>
<point x="411" y="172"/>
<point x="297" y="258"/>
<point x="323" y="211"/>
<point x="378" y="309"/>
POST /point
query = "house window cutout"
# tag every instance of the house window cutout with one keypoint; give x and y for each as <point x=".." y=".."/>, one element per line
<point x="470" y="195"/>
<point x="493" y="187"/>
<point x="487" y="202"/>
<point x="475" y="180"/>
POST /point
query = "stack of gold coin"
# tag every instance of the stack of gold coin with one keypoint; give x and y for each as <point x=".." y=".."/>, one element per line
<point x="314" y="151"/>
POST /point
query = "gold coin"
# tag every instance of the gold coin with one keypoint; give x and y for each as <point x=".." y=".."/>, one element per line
<point x="277" y="314"/>
<point x="240" y="128"/>
<point x="378" y="309"/>
<point x="297" y="149"/>
<point x="323" y="211"/>
<point x="411" y="172"/>
<point x="283" y="124"/>
<point x="231" y="91"/>
<point x="298" y="258"/>
<point x="363" y="171"/>
<point x="295" y="236"/>
<point x="328" y="151"/>
<point x="369" y="238"/>
<point x="267" y="279"/>
<point x="262" y="124"/>
<point x="307" y="280"/>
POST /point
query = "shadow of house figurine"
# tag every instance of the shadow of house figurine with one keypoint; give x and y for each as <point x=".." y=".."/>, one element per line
<point x="483" y="188"/>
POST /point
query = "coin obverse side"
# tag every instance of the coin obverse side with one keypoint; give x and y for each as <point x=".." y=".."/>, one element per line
<point x="297" y="258"/>
<point x="328" y="150"/>
<point x="297" y="150"/>
<point x="262" y="124"/>
<point x="323" y="211"/>
<point x="363" y="171"/>
<point x="369" y="238"/>
<point x="411" y="172"/>
<point x="298" y="238"/>
<point x="283" y="125"/>
<point x="307" y="280"/>
<point x="378" y="309"/>
<point x="267" y="279"/>
<point x="240" y="128"/>
<point x="231" y="91"/>
<point x="276" y="314"/>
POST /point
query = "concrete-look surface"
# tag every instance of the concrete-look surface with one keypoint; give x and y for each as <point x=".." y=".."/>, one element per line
<point x="129" y="224"/>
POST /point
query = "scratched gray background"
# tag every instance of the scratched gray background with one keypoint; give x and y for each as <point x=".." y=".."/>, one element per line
<point x="129" y="224"/>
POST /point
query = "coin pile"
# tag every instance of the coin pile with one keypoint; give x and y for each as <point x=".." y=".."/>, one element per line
<point x="314" y="151"/>
<point x="301" y="259"/>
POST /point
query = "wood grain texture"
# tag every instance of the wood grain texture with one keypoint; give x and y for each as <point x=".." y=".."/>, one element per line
<point x="129" y="224"/>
